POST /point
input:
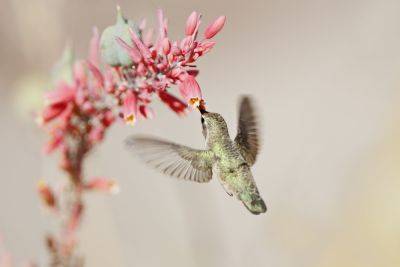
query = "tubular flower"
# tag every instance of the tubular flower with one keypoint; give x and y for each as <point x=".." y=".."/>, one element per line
<point x="190" y="91"/>
<point x="102" y="184"/>
<point x="46" y="194"/>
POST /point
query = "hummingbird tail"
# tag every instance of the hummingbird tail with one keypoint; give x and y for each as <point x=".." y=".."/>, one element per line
<point x="255" y="205"/>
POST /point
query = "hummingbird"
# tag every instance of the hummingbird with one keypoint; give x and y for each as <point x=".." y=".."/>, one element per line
<point x="228" y="160"/>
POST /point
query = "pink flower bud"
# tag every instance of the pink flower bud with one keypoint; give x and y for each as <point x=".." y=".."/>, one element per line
<point x="51" y="112"/>
<point x="166" y="46"/>
<point x="190" y="91"/>
<point x="54" y="142"/>
<point x="191" y="23"/>
<point x="148" y="36"/>
<point x="144" y="50"/>
<point x="146" y="112"/>
<point x="75" y="218"/>
<point x="79" y="73"/>
<point x="94" y="48"/>
<point x="142" y="24"/>
<point x="96" y="74"/>
<point x="130" y="108"/>
<point x="214" y="27"/>
<point x="46" y="194"/>
<point x="162" y="24"/>
<point x="108" y="118"/>
<point x="62" y="94"/>
<point x="102" y="184"/>
<point x="132" y="51"/>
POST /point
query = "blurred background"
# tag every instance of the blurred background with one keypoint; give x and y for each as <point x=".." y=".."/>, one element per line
<point x="325" y="75"/>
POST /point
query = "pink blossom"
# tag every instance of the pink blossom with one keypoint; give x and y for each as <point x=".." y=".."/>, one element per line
<point x="96" y="74"/>
<point x="133" y="52"/>
<point x="166" y="46"/>
<point x="173" y="102"/>
<point x="162" y="24"/>
<point x="51" y="112"/>
<point x="46" y="194"/>
<point x="146" y="112"/>
<point x="130" y="108"/>
<point x="214" y="27"/>
<point x="190" y="91"/>
<point x="144" y="50"/>
<point x="55" y="141"/>
<point x="94" y="48"/>
<point x="76" y="215"/>
<point x="63" y="93"/>
<point x="102" y="184"/>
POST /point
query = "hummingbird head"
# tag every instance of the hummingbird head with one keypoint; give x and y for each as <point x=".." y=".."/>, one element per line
<point x="213" y="124"/>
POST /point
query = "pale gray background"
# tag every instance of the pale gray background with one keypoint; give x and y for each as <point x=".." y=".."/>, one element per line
<point x="326" y="78"/>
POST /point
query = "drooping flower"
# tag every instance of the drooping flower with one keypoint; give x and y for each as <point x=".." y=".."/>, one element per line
<point x="130" y="108"/>
<point x="173" y="102"/>
<point x="190" y="91"/>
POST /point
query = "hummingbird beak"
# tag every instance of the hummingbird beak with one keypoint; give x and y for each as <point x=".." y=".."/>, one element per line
<point x="203" y="111"/>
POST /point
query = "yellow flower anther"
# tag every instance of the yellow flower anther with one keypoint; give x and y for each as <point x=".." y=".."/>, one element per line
<point x="130" y="119"/>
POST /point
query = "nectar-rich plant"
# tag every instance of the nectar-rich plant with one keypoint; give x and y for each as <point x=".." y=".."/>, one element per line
<point x="125" y="70"/>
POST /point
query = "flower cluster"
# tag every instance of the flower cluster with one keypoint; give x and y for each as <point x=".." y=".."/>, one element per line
<point x="125" y="70"/>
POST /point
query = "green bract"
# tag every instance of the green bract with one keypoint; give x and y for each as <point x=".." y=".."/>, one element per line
<point x="111" y="52"/>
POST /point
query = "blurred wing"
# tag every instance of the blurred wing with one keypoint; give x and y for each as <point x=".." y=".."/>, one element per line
<point x="247" y="138"/>
<point x="172" y="159"/>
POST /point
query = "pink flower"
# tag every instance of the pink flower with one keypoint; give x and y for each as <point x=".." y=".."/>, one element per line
<point x="190" y="91"/>
<point x="51" y="112"/>
<point x="75" y="218"/>
<point x="173" y="103"/>
<point x="162" y="24"/>
<point x="46" y="194"/>
<point x="55" y="141"/>
<point x="107" y="118"/>
<point x="63" y="93"/>
<point x="133" y="52"/>
<point x="192" y="23"/>
<point x="166" y="46"/>
<point x="102" y="184"/>
<point x="130" y="108"/>
<point x="146" y="112"/>
<point x="144" y="50"/>
<point x="96" y="74"/>
<point x="214" y="27"/>
<point x="94" y="48"/>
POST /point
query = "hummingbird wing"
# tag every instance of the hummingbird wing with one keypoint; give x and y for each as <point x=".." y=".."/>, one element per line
<point x="247" y="138"/>
<point x="173" y="159"/>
